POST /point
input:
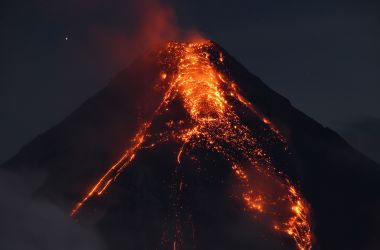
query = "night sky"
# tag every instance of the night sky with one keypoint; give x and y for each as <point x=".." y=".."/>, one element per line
<point x="324" y="56"/>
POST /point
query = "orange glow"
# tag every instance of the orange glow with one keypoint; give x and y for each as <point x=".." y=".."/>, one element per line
<point x="209" y="98"/>
<point x="163" y="75"/>
<point x="114" y="170"/>
<point x="221" y="58"/>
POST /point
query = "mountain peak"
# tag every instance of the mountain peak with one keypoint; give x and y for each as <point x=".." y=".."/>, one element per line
<point x="201" y="109"/>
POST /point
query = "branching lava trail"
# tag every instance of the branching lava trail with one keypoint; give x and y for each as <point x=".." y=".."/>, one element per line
<point x="210" y="99"/>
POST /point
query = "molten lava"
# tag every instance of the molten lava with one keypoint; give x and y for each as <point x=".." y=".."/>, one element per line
<point x="210" y="101"/>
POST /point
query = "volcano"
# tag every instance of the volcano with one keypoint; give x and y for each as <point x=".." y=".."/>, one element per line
<point x="185" y="149"/>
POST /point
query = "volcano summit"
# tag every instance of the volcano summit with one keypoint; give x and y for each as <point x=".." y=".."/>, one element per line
<point x="187" y="150"/>
<point x="210" y="121"/>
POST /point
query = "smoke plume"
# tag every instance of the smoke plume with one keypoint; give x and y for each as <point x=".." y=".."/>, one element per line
<point x="37" y="224"/>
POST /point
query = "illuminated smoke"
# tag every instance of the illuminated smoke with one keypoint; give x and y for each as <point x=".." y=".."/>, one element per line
<point x="210" y="100"/>
<point x="152" y="24"/>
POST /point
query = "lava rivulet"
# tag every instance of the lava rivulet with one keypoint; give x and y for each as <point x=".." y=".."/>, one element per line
<point x="210" y="100"/>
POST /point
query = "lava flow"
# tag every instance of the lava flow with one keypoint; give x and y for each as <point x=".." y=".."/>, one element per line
<point x="211" y="101"/>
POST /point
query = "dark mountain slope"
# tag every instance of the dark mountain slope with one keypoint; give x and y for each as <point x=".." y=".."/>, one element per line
<point x="340" y="184"/>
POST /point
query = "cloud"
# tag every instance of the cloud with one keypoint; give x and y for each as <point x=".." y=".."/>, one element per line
<point x="364" y="135"/>
<point x="30" y="223"/>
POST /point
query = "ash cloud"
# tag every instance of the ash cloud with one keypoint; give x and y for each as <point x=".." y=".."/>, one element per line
<point x="31" y="223"/>
<point x="152" y="23"/>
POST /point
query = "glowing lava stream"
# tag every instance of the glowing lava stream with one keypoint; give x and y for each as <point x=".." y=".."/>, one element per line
<point x="210" y="100"/>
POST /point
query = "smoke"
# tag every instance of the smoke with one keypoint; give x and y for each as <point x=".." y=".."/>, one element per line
<point x="37" y="224"/>
<point x="120" y="30"/>
<point x="364" y="135"/>
<point x="150" y="23"/>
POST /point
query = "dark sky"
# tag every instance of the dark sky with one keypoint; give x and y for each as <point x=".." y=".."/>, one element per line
<point x="324" y="56"/>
